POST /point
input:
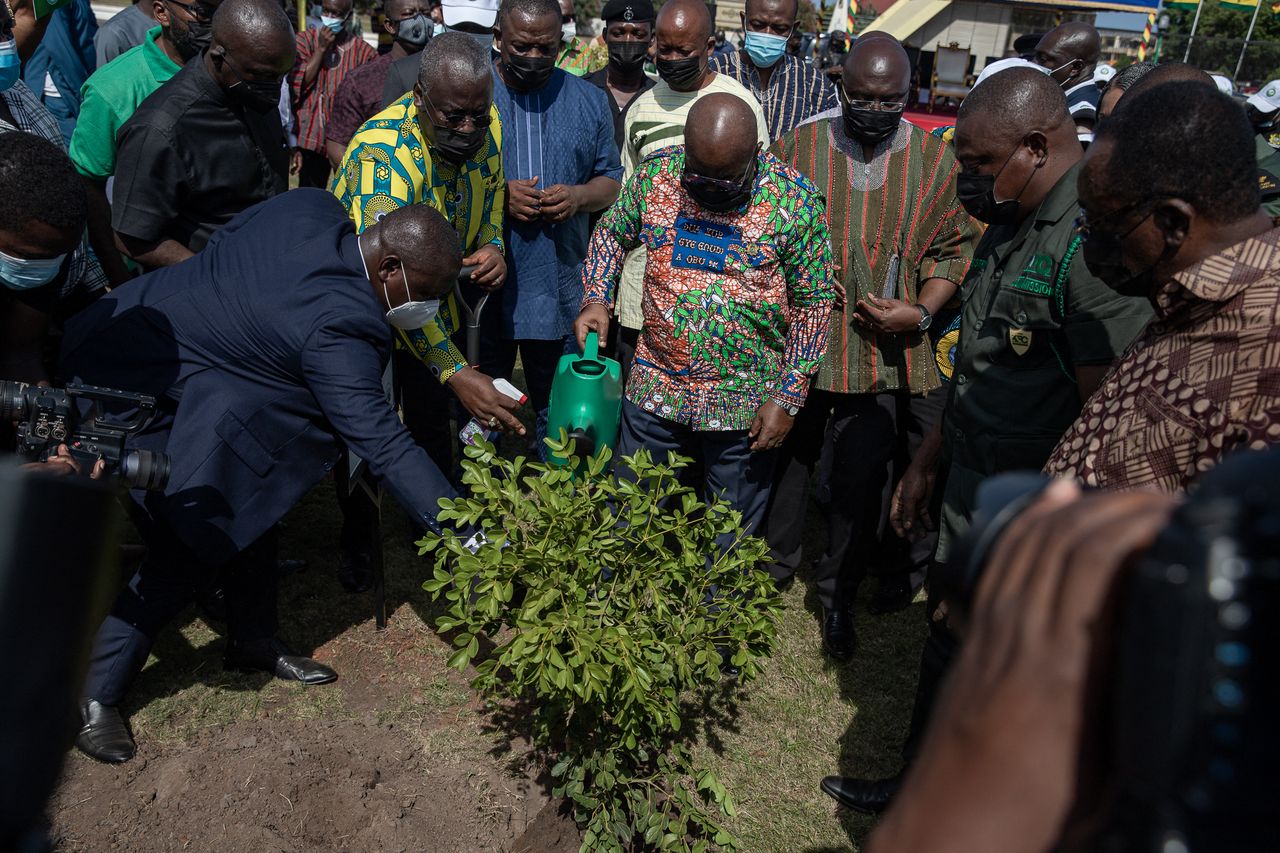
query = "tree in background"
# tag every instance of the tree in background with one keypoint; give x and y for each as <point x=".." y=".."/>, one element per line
<point x="1219" y="37"/>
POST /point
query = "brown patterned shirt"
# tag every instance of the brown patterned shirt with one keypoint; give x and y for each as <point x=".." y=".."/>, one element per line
<point x="1201" y="380"/>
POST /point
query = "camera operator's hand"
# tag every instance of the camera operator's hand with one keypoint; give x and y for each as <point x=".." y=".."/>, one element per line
<point x="63" y="464"/>
<point x="1007" y="758"/>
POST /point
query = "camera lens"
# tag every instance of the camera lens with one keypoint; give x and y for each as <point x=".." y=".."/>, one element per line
<point x="145" y="469"/>
<point x="13" y="400"/>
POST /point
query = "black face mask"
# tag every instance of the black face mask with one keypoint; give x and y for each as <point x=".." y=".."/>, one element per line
<point x="1103" y="256"/>
<point x="977" y="194"/>
<point x="720" y="199"/>
<point x="870" y="127"/>
<point x="627" y="55"/>
<point x="680" y="74"/>
<point x="527" y="73"/>
<point x="257" y="95"/>
<point x="458" y="146"/>
<point x="191" y="41"/>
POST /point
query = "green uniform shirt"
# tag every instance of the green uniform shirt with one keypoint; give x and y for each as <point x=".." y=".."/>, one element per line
<point x="1268" y="174"/>
<point x="109" y="97"/>
<point x="1031" y="313"/>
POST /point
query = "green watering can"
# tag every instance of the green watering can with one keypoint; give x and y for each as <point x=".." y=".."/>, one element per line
<point x="586" y="400"/>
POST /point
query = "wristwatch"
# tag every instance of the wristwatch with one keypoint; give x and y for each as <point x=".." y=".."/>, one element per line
<point x="926" y="319"/>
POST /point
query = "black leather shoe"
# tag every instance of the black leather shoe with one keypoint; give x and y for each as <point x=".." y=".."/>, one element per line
<point x="355" y="572"/>
<point x="103" y="734"/>
<point x="838" y="637"/>
<point x="274" y="657"/>
<point x="893" y="594"/>
<point x="869" y="796"/>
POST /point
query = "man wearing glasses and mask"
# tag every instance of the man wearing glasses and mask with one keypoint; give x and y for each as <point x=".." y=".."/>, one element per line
<point x="1038" y="331"/>
<point x="439" y="145"/>
<point x="737" y="295"/>
<point x="208" y="143"/>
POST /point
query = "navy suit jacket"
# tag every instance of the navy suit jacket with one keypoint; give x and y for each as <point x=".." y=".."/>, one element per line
<point x="265" y="352"/>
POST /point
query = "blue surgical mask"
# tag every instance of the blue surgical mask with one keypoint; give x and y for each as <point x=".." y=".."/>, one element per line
<point x="335" y="24"/>
<point x="10" y="64"/>
<point x="765" y="49"/>
<point x="26" y="273"/>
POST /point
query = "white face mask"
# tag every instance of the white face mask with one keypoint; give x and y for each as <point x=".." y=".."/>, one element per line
<point x="568" y="32"/>
<point x="410" y="315"/>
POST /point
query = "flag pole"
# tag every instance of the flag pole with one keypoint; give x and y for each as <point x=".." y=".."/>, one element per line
<point x="1244" y="47"/>
<point x="1186" y="57"/>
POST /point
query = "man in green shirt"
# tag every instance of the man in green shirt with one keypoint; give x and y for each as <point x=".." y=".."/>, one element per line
<point x="1037" y="333"/>
<point x="112" y="93"/>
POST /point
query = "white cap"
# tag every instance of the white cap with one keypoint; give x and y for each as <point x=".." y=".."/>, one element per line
<point x="481" y="12"/>
<point x="1266" y="99"/>
<point x="1103" y="74"/>
<point x="1004" y="65"/>
<point x="1224" y="84"/>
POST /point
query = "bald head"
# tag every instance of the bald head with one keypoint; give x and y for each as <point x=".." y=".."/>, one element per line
<point x="1070" y="52"/>
<point x="423" y="241"/>
<point x="254" y="31"/>
<point x="686" y="18"/>
<point x="720" y="136"/>
<point x="1013" y="103"/>
<point x="877" y="69"/>
<point x="1169" y="72"/>
<point x="789" y="9"/>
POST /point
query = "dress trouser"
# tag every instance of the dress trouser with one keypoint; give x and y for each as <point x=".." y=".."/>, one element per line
<point x="426" y="403"/>
<point x="731" y="471"/>
<point x="538" y="359"/>
<point x="315" y="170"/>
<point x="165" y="583"/>
<point x="865" y="434"/>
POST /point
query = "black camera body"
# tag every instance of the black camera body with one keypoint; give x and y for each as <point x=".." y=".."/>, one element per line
<point x="1194" y="696"/>
<point x="48" y="417"/>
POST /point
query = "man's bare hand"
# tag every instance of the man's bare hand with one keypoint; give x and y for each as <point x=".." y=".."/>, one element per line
<point x="770" y="427"/>
<point x="1018" y="723"/>
<point x="485" y="402"/>
<point x="887" y="316"/>
<point x="909" y="509"/>
<point x="63" y="464"/>
<point x="593" y="318"/>
<point x="524" y="199"/>
<point x="326" y="39"/>
<point x="491" y="267"/>
<point x="560" y="202"/>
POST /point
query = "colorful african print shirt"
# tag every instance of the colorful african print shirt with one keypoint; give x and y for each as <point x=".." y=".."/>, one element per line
<point x="388" y="165"/>
<point x="735" y="305"/>
<point x="1201" y="380"/>
<point x="895" y="224"/>
<point x="579" y="57"/>
<point x="797" y="90"/>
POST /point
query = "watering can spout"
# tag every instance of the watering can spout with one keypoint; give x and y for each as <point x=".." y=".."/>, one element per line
<point x="586" y="400"/>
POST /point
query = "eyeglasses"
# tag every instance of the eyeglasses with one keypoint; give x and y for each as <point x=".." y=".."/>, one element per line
<point x="1085" y="228"/>
<point x="693" y="179"/>
<point x="198" y="11"/>
<point x="876" y="106"/>
<point x="457" y="118"/>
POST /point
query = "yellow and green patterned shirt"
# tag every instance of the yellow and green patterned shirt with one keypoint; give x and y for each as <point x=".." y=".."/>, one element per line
<point x="580" y="58"/>
<point x="387" y="165"/>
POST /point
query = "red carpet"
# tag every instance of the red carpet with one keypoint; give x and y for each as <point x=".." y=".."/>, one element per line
<point x="929" y="121"/>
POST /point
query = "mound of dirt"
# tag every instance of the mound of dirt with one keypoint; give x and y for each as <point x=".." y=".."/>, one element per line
<point x="289" y="785"/>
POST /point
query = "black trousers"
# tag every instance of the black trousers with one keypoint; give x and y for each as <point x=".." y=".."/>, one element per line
<point x="165" y="583"/>
<point x="865" y="434"/>
<point x="426" y="404"/>
<point x="315" y="170"/>
<point x="539" y="360"/>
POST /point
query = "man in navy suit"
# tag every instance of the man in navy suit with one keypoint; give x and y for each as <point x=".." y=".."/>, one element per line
<point x="265" y="352"/>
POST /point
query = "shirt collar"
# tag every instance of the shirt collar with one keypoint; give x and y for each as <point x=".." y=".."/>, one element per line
<point x="1077" y="87"/>
<point x="158" y="62"/>
<point x="1062" y="199"/>
<point x="1225" y="275"/>
<point x="204" y="80"/>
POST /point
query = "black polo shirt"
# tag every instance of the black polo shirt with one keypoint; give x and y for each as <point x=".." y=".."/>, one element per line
<point x="191" y="158"/>
<point x="601" y="79"/>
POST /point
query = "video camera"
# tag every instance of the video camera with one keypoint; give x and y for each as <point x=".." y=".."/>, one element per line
<point x="48" y="417"/>
<point x="1193" y="697"/>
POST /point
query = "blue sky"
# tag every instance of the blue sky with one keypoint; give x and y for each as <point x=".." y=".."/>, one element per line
<point x="1121" y="21"/>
